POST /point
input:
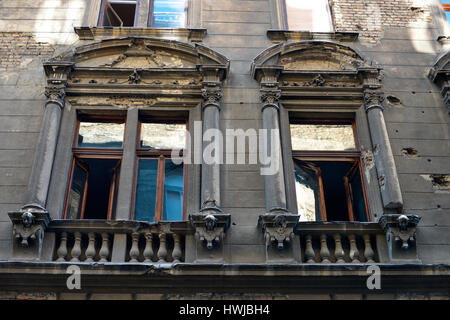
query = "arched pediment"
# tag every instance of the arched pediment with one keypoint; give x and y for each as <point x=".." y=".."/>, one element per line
<point x="440" y="67"/>
<point x="142" y="53"/>
<point x="311" y="55"/>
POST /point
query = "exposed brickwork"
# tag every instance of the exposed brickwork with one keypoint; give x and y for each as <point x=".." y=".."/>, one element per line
<point x="369" y="17"/>
<point x="15" y="47"/>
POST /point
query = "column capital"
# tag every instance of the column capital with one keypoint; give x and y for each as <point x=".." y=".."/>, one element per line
<point x="373" y="99"/>
<point x="212" y="94"/>
<point x="270" y="97"/>
<point x="55" y="93"/>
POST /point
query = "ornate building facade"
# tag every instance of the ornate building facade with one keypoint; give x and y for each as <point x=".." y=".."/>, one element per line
<point x="270" y="149"/>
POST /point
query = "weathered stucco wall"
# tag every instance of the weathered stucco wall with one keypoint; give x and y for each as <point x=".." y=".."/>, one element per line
<point x="401" y="36"/>
<point x="30" y="33"/>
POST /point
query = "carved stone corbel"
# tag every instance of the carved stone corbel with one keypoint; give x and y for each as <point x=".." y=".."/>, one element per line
<point x="210" y="228"/>
<point x="401" y="236"/>
<point x="278" y="228"/>
<point x="29" y="224"/>
<point x="401" y="227"/>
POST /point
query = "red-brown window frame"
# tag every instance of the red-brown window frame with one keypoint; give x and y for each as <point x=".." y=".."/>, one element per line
<point x="161" y="155"/>
<point x="333" y="156"/>
<point x="93" y="153"/>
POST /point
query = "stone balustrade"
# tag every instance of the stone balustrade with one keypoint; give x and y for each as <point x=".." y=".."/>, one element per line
<point x="341" y="242"/>
<point x="100" y="240"/>
<point x="155" y="244"/>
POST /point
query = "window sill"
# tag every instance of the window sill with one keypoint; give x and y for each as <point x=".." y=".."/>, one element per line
<point x="298" y="35"/>
<point x="180" y="34"/>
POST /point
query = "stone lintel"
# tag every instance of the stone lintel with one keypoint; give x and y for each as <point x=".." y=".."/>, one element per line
<point x="182" y="34"/>
<point x="301" y="35"/>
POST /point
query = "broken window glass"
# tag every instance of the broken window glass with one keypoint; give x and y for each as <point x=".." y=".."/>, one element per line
<point x="307" y="190"/>
<point x="100" y="135"/>
<point x="163" y="136"/>
<point x="323" y="137"/>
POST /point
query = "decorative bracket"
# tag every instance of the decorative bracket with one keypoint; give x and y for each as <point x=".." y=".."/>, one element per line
<point x="29" y="224"/>
<point x="210" y="227"/>
<point x="278" y="228"/>
<point x="401" y="227"/>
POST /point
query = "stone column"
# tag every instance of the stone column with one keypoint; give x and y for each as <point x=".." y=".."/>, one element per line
<point x="30" y="222"/>
<point x="210" y="189"/>
<point x="210" y="222"/>
<point x="275" y="192"/>
<point x="277" y="223"/>
<point x="46" y="145"/>
<point x="384" y="160"/>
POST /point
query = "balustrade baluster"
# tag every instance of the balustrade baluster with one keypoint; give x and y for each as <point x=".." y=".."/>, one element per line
<point x="62" y="250"/>
<point x="162" y="251"/>
<point x="338" y="252"/>
<point x="176" y="254"/>
<point x="76" y="250"/>
<point x="90" y="251"/>
<point x="324" y="252"/>
<point x="354" y="253"/>
<point x="309" y="251"/>
<point x="104" y="250"/>
<point x="134" y="251"/>
<point x="148" y="251"/>
<point x="368" y="251"/>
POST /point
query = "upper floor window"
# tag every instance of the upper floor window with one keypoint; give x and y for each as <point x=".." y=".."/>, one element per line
<point x="168" y="14"/>
<point x="161" y="13"/>
<point x="328" y="181"/>
<point x="95" y="171"/>
<point x="159" y="186"/>
<point x="306" y="15"/>
<point x="446" y="6"/>
<point x="118" y="13"/>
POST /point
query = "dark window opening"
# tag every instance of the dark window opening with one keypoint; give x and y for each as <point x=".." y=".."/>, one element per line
<point x="328" y="181"/>
<point x="117" y="13"/>
<point x="95" y="172"/>
<point x="93" y="193"/>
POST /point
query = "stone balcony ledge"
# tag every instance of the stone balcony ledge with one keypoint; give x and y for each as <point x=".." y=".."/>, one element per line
<point x="181" y="34"/>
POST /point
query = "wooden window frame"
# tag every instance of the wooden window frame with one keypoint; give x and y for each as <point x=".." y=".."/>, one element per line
<point x="161" y="155"/>
<point x="79" y="153"/>
<point x="151" y="9"/>
<point x="333" y="156"/>
<point x="102" y="13"/>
